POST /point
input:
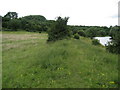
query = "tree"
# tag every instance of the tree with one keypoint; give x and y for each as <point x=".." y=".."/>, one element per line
<point x="23" y="24"/>
<point x="14" y="24"/>
<point x="74" y="31"/>
<point x="58" y="29"/>
<point x="76" y="36"/>
<point x="5" y="22"/>
<point x="36" y="18"/>
<point x="34" y="23"/>
<point x="102" y="32"/>
<point x="81" y="33"/>
<point x="114" y="45"/>
<point x="11" y="15"/>
<point x="91" y="32"/>
<point x="113" y="30"/>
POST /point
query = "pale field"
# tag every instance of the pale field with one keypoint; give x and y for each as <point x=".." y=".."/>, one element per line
<point x="10" y="41"/>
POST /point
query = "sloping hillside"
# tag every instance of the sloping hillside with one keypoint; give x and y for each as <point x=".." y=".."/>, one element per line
<point x="31" y="62"/>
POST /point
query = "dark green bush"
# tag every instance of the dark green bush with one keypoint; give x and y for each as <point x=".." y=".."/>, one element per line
<point x="111" y="48"/>
<point x="91" y="32"/>
<point x="58" y="30"/>
<point x="76" y="36"/>
<point x="81" y="33"/>
<point x="114" y="45"/>
<point x="39" y="31"/>
<point x="95" y="42"/>
<point x="74" y="31"/>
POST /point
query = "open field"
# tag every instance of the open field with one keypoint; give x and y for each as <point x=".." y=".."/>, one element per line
<point x="28" y="61"/>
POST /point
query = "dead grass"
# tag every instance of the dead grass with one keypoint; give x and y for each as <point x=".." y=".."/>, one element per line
<point x="14" y="37"/>
<point x="10" y="41"/>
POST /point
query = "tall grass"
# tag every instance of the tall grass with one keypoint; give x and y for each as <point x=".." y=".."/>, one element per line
<point x="65" y="64"/>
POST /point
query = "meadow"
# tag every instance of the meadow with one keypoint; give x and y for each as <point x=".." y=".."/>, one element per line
<point x="28" y="61"/>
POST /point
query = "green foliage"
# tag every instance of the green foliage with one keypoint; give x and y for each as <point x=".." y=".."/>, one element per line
<point x="110" y="48"/>
<point x="5" y="22"/>
<point x="113" y="31"/>
<point x="38" y="23"/>
<point x="31" y="23"/>
<point x="34" y="23"/>
<point x="114" y="45"/>
<point x="14" y="24"/>
<point x="11" y="15"/>
<point x="81" y="33"/>
<point x="91" y="32"/>
<point x="76" y="36"/>
<point x="95" y="42"/>
<point x="102" y="33"/>
<point x="58" y="30"/>
<point x="39" y="18"/>
<point x="75" y="31"/>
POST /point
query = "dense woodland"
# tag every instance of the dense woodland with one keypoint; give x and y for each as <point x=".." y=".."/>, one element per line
<point x="58" y="29"/>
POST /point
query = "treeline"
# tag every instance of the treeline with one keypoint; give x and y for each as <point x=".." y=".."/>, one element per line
<point x="90" y="31"/>
<point x="38" y="23"/>
<point x="58" y="29"/>
<point x="114" y="45"/>
<point x="31" y="23"/>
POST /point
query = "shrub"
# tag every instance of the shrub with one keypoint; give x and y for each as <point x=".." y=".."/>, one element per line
<point x="110" y="48"/>
<point x="74" y="32"/>
<point x="95" y="42"/>
<point x="58" y="30"/>
<point x="114" y="45"/>
<point x="81" y="33"/>
<point x="91" y="32"/>
<point x="76" y="36"/>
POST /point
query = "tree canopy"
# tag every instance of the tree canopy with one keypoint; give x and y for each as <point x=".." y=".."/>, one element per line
<point x="58" y="29"/>
<point x="114" y="45"/>
<point x="39" y="18"/>
<point x="11" y="15"/>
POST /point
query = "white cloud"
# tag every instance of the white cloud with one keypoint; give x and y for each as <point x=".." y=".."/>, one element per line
<point x="81" y="12"/>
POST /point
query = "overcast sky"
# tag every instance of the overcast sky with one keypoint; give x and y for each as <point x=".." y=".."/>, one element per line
<point x="81" y="12"/>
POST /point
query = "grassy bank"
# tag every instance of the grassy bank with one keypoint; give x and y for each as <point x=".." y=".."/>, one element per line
<point x="28" y="61"/>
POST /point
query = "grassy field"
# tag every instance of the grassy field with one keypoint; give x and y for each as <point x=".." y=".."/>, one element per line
<point x="28" y="61"/>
